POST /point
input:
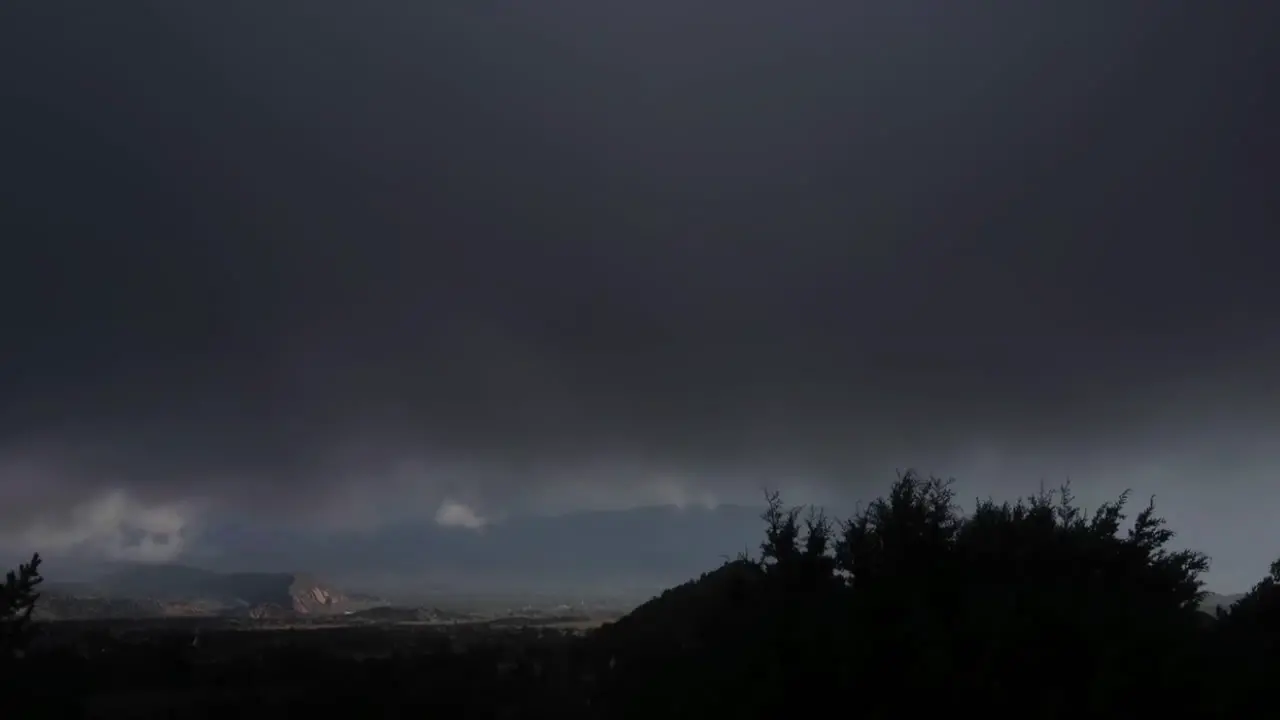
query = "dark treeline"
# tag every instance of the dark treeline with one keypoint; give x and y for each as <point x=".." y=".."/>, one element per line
<point x="1035" y="608"/>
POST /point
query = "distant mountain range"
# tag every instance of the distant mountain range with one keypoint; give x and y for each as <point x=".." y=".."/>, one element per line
<point x="1213" y="601"/>
<point x="263" y="570"/>
<point x="643" y="549"/>
<point x="130" y="590"/>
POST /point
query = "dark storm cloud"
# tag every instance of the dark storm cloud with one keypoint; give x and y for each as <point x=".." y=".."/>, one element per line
<point x="269" y="250"/>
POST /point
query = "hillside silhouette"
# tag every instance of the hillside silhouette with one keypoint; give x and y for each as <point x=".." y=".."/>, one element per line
<point x="1033" y="607"/>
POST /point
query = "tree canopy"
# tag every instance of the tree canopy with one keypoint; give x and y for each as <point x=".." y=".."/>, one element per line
<point x="18" y="598"/>
<point x="1033" y="606"/>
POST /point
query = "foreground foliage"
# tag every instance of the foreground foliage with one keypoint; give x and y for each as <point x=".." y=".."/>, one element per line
<point x="18" y="598"/>
<point x="1033" y="607"/>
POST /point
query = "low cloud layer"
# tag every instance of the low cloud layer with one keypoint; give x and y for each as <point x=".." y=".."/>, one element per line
<point x="341" y="267"/>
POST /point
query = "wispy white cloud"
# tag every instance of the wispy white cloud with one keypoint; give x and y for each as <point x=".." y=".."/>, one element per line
<point x="456" y="514"/>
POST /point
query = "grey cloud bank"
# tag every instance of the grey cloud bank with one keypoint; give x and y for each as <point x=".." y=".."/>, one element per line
<point x="334" y="267"/>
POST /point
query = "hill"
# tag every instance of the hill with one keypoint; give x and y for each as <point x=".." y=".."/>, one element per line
<point x="681" y="613"/>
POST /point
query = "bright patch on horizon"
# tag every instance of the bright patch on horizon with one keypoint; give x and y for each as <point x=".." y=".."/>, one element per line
<point x="456" y="514"/>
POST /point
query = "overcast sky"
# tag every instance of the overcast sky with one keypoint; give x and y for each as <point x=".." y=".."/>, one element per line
<point x="338" y="263"/>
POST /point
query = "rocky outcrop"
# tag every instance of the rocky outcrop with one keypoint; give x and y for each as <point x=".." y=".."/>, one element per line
<point x="309" y="597"/>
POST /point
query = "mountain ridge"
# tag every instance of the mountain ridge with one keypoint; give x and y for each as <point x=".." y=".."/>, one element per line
<point x="158" y="590"/>
<point x="650" y="547"/>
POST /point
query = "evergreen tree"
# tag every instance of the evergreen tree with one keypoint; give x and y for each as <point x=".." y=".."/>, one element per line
<point x="18" y="598"/>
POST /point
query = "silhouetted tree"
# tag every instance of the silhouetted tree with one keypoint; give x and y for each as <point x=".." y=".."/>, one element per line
<point x="782" y="543"/>
<point x="1246" y="648"/>
<point x="18" y="598"/>
<point x="985" y="606"/>
<point x="798" y="552"/>
<point x="1261" y="605"/>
